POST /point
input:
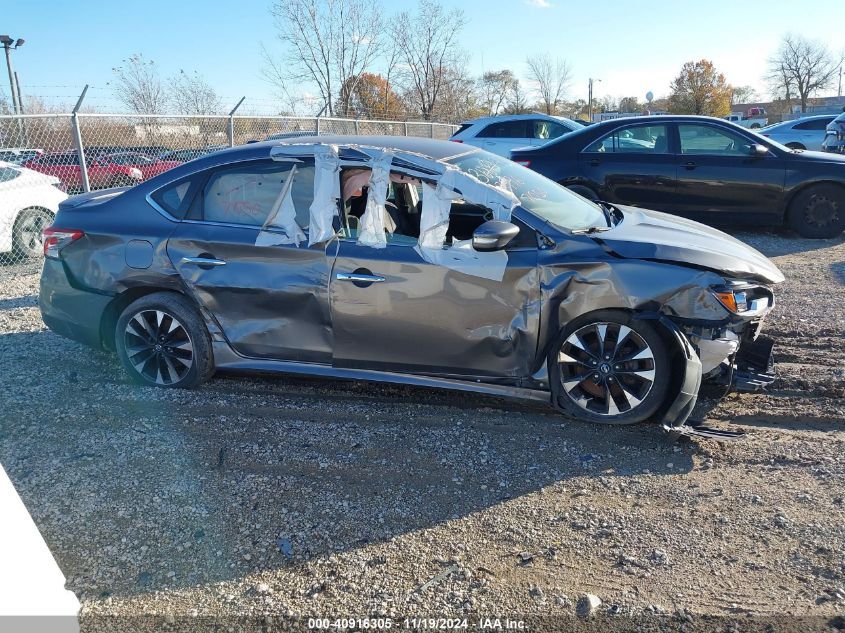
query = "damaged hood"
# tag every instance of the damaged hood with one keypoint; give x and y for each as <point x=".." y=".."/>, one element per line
<point x="645" y="234"/>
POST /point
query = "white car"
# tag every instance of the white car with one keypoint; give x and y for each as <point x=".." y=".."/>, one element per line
<point x="804" y="133"/>
<point x="501" y="134"/>
<point x="28" y="203"/>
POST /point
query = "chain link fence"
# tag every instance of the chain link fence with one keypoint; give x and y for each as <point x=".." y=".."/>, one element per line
<point x="45" y="158"/>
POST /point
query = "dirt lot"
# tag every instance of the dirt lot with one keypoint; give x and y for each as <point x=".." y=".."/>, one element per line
<point x="290" y="497"/>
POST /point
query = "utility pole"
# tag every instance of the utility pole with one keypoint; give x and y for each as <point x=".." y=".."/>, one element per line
<point x="9" y="45"/>
<point x="590" y="99"/>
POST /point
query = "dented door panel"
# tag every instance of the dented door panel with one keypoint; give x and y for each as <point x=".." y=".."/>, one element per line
<point x="269" y="301"/>
<point x="427" y="318"/>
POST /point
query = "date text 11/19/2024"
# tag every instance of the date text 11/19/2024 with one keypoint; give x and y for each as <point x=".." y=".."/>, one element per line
<point x="429" y="624"/>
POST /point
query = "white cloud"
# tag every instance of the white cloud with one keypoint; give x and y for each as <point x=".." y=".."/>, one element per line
<point x="540" y="4"/>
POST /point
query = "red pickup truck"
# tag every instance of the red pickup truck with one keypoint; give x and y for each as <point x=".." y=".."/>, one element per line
<point x="102" y="173"/>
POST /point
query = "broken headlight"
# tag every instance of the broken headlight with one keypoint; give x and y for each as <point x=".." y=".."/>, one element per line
<point x="740" y="297"/>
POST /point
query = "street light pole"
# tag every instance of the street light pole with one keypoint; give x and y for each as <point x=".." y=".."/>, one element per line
<point x="18" y="88"/>
<point x="7" y="43"/>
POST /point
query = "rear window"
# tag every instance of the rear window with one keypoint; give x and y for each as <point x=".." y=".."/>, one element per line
<point x="463" y="128"/>
<point x="815" y="124"/>
<point x="507" y="129"/>
<point x="176" y="197"/>
<point x="246" y="194"/>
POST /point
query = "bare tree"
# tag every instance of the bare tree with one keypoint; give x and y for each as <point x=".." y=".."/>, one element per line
<point x="743" y="94"/>
<point x="428" y="50"/>
<point x="551" y="78"/>
<point x="495" y="86"/>
<point x="458" y="97"/>
<point x="802" y="67"/>
<point x="137" y="86"/>
<point x="517" y="102"/>
<point x="328" y="44"/>
<point x="190" y="93"/>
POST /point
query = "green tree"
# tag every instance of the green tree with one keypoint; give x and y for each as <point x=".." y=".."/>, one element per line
<point x="700" y="89"/>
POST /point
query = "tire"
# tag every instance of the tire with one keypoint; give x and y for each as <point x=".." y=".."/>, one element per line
<point x="161" y="341"/>
<point x="584" y="192"/>
<point x="27" y="241"/>
<point x="755" y="126"/>
<point x="818" y="212"/>
<point x="635" y="374"/>
<point x="794" y="145"/>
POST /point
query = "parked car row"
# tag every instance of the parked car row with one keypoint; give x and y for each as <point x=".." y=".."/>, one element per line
<point x="110" y="166"/>
<point x="702" y="168"/>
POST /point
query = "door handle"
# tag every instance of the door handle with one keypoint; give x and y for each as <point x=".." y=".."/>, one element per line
<point x="203" y="262"/>
<point x="359" y="277"/>
<point x="690" y="165"/>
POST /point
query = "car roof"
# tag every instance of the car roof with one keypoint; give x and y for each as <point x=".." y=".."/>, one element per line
<point x="433" y="148"/>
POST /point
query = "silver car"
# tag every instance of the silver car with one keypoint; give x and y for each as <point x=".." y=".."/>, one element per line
<point x="804" y="133"/>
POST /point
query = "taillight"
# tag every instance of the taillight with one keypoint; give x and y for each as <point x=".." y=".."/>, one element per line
<point x="524" y="162"/>
<point x="456" y="140"/>
<point x="56" y="239"/>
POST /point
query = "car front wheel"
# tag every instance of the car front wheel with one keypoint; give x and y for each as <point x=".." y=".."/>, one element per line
<point x="609" y="368"/>
<point x="818" y="212"/>
<point x="162" y="341"/>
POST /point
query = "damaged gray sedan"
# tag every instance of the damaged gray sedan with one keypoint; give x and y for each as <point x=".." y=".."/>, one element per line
<point x="412" y="261"/>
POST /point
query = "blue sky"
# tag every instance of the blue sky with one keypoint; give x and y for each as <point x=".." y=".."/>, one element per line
<point x="632" y="45"/>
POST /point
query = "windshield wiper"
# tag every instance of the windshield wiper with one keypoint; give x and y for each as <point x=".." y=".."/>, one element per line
<point x="590" y="230"/>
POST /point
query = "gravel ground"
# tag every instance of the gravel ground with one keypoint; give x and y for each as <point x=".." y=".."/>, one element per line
<point x="272" y="496"/>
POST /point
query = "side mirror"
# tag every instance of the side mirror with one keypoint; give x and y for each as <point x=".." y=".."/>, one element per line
<point x="758" y="151"/>
<point x="493" y="235"/>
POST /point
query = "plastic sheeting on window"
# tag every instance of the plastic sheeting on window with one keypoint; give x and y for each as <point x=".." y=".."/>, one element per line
<point x="434" y="224"/>
<point x="281" y="227"/>
<point x="371" y="227"/>
<point x="326" y="193"/>
<point x="499" y="200"/>
<point x="434" y="220"/>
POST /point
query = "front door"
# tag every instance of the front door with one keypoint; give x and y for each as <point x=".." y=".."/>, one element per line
<point x="392" y="310"/>
<point x="719" y="179"/>
<point x="269" y="298"/>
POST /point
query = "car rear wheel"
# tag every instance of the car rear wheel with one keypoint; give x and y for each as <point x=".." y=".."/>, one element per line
<point x="818" y="212"/>
<point x="584" y="192"/>
<point x="609" y="368"/>
<point x="27" y="241"/>
<point x="162" y="341"/>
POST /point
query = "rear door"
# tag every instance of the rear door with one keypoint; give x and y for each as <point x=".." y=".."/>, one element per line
<point x="719" y="178"/>
<point x="633" y="165"/>
<point x="500" y="138"/>
<point x="269" y="298"/>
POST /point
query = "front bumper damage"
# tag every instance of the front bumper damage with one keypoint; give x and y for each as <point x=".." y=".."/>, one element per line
<point x="733" y="357"/>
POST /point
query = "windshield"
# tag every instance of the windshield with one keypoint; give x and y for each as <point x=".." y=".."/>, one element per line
<point x="539" y="195"/>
